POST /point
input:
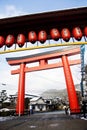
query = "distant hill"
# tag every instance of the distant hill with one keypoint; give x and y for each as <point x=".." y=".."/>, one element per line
<point x="54" y="93"/>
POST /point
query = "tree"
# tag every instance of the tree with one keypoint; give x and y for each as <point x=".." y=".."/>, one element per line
<point x="86" y="75"/>
<point x="3" y="96"/>
<point x="86" y="69"/>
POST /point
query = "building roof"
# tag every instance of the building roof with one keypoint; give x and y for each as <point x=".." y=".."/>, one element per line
<point x="7" y="101"/>
<point x="35" y="99"/>
<point x="46" y="20"/>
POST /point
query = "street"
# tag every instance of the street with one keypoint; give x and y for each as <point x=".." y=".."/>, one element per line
<point x="45" y="121"/>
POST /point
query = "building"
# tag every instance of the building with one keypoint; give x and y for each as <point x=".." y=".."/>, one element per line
<point x="38" y="104"/>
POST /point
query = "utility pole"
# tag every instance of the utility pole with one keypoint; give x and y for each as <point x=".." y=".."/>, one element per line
<point x="82" y="47"/>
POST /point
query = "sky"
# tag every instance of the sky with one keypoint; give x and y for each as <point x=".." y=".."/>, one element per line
<point x="36" y="82"/>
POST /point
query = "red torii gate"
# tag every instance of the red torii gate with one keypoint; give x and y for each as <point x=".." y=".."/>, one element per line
<point x="43" y="58"/>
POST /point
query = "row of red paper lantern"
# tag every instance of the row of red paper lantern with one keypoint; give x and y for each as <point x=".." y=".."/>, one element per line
<point x="42" y="36"/>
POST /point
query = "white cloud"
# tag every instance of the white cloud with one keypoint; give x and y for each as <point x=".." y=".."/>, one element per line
<point x="10" y="11"/>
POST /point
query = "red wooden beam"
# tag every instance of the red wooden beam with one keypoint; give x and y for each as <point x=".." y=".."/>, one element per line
<point x="46" y="66"/>
<point x="47" y="55"/>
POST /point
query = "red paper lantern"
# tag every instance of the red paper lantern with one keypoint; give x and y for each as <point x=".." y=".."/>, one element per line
<point x="55" y="34"/>
<point x="65" y="33"/>
<point x="77" y="33"/>
<point x="20" y="40"/>
<point x="85" y="31"/>
<point x="42" y="36"/>
<point x="2" y="41"/>
<point x="32" y="37"/>
<point x="9" y="40"/>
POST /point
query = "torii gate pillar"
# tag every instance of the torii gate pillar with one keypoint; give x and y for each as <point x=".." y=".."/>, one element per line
<point x="73" y="102"/>
<point x="21" y="91"/>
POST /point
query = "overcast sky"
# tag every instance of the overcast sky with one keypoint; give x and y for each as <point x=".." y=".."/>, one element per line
<point x="36" y="82"/>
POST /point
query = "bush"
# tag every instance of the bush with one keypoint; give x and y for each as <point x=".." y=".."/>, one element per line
<point x="7" y="113"/>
